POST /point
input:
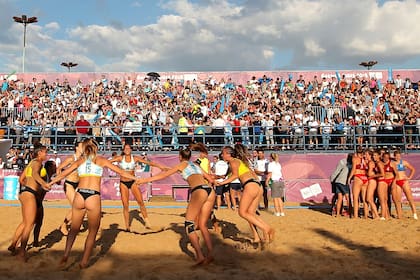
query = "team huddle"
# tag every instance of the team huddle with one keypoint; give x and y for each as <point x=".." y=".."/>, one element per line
<point x="376" y="178"/>
<point x="83" y="173"/>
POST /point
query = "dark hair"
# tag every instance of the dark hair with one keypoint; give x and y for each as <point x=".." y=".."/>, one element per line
<point x="239" y="151"/>
<point x="230" y="151"/>
<point x="185" y="153"/>
<point x="349" y="158"/>
<point x="126" y="144"/>
<point x="51" y="168"/>
<point x="38" y="148"/>
<point x="359" y="150"/>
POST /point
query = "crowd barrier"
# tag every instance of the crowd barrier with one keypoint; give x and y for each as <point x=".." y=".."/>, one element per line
<point x="158" y="138"/>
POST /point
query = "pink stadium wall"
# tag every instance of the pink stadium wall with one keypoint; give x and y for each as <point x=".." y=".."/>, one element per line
<point x="239" y="77"/>
<point x="307" y="178"/>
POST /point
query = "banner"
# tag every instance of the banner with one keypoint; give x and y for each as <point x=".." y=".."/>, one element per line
<point x="238" y="77"/>
<point x="306" y="178"/>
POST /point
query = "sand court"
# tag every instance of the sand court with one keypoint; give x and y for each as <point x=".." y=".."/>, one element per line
<point x="309" y="244"/>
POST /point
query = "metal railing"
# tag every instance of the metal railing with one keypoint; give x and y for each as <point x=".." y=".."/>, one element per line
<point x="157" y="138"/>
<point x="319" y="112"/>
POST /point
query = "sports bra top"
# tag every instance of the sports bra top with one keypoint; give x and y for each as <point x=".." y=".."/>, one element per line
<point x="400" y="166"/>
<point x="242" y="168"/>
<point x="361" y="165"/>
<point x="191" y="169"/>
<point x="388" y="167"/>
<point x="28" y="171"/>
<point x="131" y="165"/>
<point x="89" y="168"/>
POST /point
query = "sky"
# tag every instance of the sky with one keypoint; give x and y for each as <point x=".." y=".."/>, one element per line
<point x="210" y="35"/>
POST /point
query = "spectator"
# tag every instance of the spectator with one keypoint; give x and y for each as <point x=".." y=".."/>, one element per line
<point x="275" y="181"/>
<point x="117" y="101"/>
<point x="261" y="164"/>
<point x="326" y="129"/>
<point x="82" y="128"/>
<point x="339" y="181"/>
<point x="183" y="126"/>
<point x="268" y="126"/>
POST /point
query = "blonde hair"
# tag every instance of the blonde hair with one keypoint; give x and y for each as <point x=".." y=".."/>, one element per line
<point x="274" y="156"/>
<point x="90" y="148"/>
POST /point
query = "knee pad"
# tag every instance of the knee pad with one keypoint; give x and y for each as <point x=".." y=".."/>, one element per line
<point x="189" y="227"/>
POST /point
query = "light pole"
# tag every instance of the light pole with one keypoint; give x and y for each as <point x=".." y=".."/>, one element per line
<point x="25" y="21"/>
<point x="69" y="64"/>
<point x="368" y="64"/>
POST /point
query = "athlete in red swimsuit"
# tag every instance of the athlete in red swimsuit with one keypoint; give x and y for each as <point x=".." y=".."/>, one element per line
<point x="384" y="183"/>
<point x="359" y="175"/>
<point x="376" y="169"/>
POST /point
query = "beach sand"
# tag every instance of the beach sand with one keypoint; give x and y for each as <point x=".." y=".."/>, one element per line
<point x="309" y="244"/>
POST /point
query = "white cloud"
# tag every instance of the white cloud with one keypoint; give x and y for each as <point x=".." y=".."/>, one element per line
<point x="313" y="48"/>
<point x="268" y="53"/>
<point x="52" y="26"/>
<point x="218" y="35"/>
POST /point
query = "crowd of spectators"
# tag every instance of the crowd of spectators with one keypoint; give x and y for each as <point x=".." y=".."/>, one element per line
<point x="270" y="112"/>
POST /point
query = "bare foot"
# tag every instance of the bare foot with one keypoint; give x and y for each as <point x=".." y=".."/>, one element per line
<point x="199" y="261"/>
<point x="63" y="260"/>
<point x="208" y="260"/>
<point x="270" y="235"/>
<point x="64" y="230"/>
<point x="83" y="265"/>
<point x="256" y="240"/>
<point x="21" y="255"/>
<point x="12" y="249"/>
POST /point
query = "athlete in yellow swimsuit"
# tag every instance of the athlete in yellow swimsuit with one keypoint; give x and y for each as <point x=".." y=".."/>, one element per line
<point x="236" y="157"/>
<point x="30" y="198"/>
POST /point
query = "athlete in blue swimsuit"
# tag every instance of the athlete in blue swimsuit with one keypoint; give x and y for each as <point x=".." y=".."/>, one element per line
<point x="201" y="201"/>
<point x="87" y="199"/>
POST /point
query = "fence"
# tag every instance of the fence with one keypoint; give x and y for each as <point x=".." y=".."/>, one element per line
<point x="14" y="113"/>
<point x="319" y="112"/>
<point x="158" y="138"/>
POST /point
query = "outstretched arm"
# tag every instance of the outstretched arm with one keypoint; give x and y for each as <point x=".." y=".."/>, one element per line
<point x="207" y="176"/>
<point x="116" y="159"/>
<point x="69" y="160"/>
<point x="162" y="175"/>
<point x="107" y="163"/>
<point x="234" y="167"/>
<point x="151" y="163"/>
<point x="66" y="172"/>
